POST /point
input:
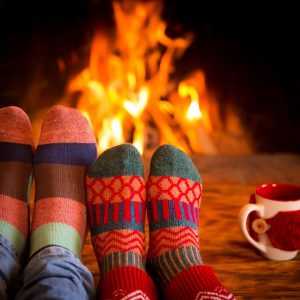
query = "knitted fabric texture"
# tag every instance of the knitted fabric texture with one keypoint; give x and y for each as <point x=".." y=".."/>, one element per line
<point x="16" y="149"/>
<point x="284" y="231"/>
<point x="116" y="210"/>
<point x="66" y="148"/>
<point x="174" y="191"/>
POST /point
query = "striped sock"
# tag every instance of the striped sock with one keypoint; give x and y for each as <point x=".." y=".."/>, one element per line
<point x="116" y="210"/>
<point x="174" y="191"/>
<point x="66" y="148"/>
<point x="16" y="149"/>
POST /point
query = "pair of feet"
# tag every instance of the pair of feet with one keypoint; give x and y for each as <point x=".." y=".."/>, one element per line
<point x="115" y="191"/>
<point x="59" y="163"/>
<point x="116" y="205"/>
<point x="116" y="202"/>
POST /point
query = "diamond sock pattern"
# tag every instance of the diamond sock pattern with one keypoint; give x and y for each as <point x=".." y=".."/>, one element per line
<point x="174" y="198"/>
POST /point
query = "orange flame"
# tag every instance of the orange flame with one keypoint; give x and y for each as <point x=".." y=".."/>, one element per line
<point x="193" y="112"/>
<point x="128" y="80"/>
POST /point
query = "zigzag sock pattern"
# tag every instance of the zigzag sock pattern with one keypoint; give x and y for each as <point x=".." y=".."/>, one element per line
<point x="66" y="148"/>
<point x="173" y="211"/>
<point x="116" y="211"/>
<point x="16" y="150"/>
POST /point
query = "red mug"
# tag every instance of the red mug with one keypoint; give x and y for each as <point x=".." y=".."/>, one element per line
<point x="275" y="230"/>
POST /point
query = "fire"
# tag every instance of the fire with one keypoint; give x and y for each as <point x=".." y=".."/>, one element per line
<point x="193" y="112"/>
<point x="127" y="83"/>
<point x="136" y="108"/>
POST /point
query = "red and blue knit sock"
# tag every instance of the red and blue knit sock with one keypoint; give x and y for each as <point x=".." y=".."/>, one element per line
<point x="116" y="210"/>
<point x="66" y="148"/>
<point x="16" y="149"/>
<point x="174" y="191"/>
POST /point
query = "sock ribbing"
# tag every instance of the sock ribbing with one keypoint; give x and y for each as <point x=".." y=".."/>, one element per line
<point x="66" y="148"/>
<point x="16" y="148"/>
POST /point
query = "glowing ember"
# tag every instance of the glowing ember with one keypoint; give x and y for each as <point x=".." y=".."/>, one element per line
<point x="127" y="83"/>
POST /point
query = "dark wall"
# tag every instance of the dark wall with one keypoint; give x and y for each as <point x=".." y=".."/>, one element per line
<point x="34" y="34"/>
<point x="248" y="52"/>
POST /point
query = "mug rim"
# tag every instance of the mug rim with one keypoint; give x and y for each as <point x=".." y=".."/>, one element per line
<point x="279" y="191"/>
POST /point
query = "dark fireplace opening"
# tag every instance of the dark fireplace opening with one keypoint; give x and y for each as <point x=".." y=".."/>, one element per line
<point x="249" y="56"/>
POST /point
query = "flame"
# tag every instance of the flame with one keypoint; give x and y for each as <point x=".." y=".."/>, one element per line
<point x="136" y="108"/>
<point x="127" y="82"/>
<point x="193" y="112"/>
<point x="110" y="134"/>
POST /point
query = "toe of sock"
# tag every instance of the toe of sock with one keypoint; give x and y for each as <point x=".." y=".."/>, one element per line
<point x="170" y="161"/>
<point x="120" y="160"/>
<point x="65" y="125"/>
<point x="15" y="126"/>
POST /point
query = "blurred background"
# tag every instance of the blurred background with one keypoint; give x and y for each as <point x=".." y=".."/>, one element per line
<point x="248" y="55"/>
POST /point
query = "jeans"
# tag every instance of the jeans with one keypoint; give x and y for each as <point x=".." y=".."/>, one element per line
<point x="52" y="273"/>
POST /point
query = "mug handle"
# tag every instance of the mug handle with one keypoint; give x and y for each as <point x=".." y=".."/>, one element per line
<point x="244" y="213"/>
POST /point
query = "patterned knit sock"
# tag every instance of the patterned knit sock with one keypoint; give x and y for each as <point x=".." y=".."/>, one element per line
<point x="174" y="191"/>
<point x="66" y="148"/>
<point x="116" y="210"/>
<point x="16" y="148"/>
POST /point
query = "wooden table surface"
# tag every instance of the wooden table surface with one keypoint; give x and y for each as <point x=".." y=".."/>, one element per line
<point x="227" y="183"/>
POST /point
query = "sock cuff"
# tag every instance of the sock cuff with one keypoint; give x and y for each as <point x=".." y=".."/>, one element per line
<point x="56" y="234"/>
<point x="14" y="236"/>
<point x="127" y="282"/>
<point x="197" y="282"/>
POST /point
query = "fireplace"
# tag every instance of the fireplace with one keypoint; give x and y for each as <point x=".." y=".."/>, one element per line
<point x="209" y="83"/>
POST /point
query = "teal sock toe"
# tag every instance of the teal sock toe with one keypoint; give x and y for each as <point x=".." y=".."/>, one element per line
<point x="120" y="160"/>
<point x="170" y="161"/>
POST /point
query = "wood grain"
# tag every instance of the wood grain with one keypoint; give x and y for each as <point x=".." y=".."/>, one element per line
<point x="237" y="264"/>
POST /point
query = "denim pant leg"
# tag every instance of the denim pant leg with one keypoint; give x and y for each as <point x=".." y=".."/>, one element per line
<point x="56" y="273"/>
<point x="9" y="268"/>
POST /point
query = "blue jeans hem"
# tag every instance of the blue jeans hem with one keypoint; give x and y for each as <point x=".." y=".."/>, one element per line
<point x="6" y="243"/>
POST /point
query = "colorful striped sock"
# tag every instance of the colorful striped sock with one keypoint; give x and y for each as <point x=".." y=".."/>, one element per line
<point x="16" y="149"/>
<point x="116" y="210"/>
<point x="66" y="148"/>
<point x="174" y="191"/>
